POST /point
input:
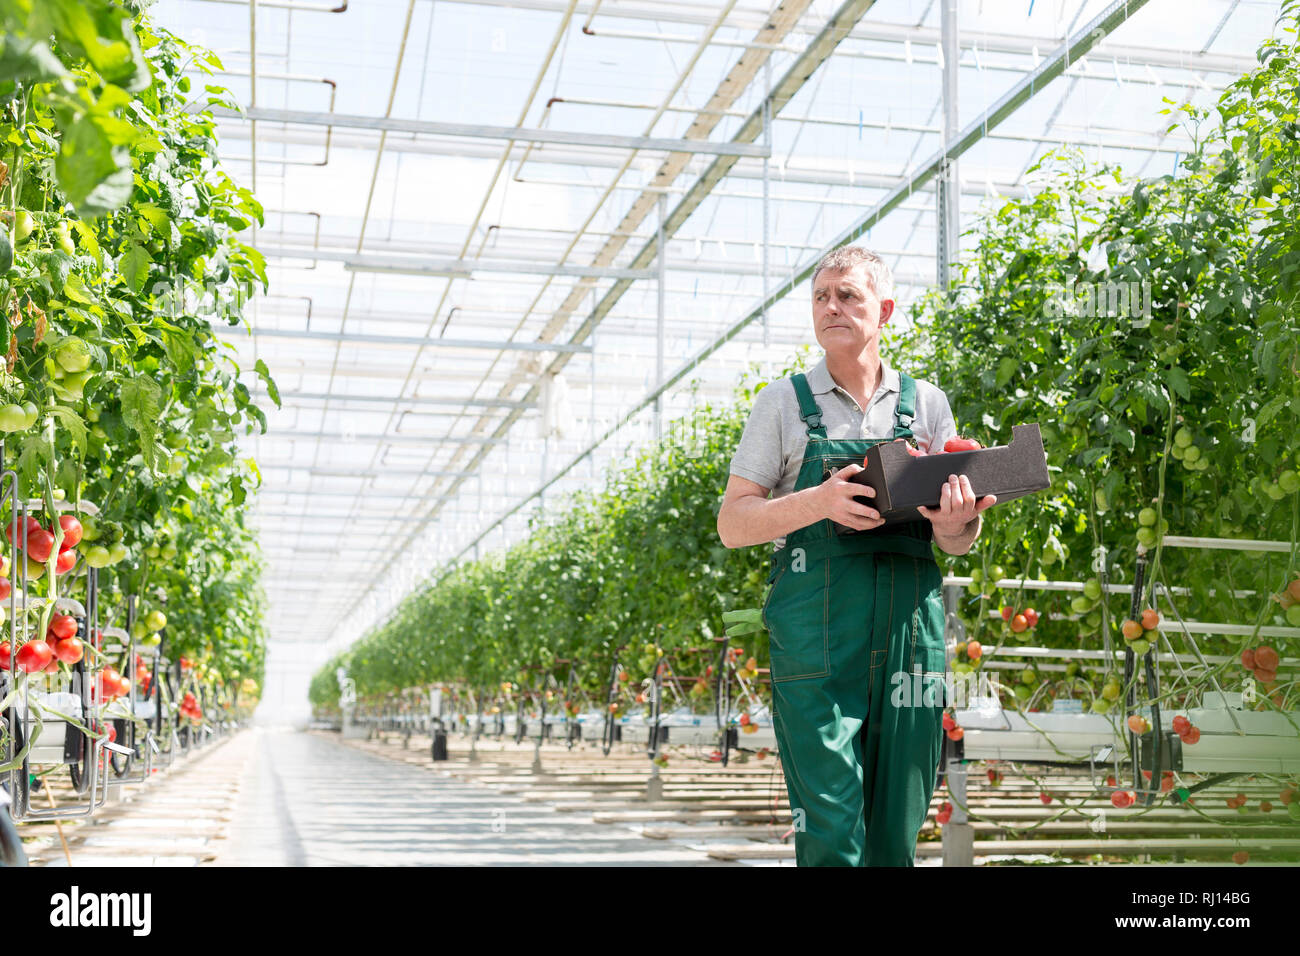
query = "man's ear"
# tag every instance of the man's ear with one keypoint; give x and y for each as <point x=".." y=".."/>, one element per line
<point x="886" y="310"/>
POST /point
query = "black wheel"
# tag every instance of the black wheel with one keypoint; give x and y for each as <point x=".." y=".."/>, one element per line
<point x="520" y="723"/>
<point x="21" y="797"/>
<point x="722" y="707"/>
<point x="11" y="845"/>
<point x="610" y="732"/>
<point x="653" y="731"/>
<point x="121" y="763"/>
<point x="78" y="750"/>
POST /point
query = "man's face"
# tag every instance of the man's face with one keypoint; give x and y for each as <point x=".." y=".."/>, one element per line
<point x="847" y="313"/>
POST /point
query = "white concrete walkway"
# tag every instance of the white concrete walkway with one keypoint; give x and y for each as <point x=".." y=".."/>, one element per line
<point x="305" y="800"/>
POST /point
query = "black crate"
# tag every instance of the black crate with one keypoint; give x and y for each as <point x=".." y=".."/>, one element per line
<point x="903" y="481"/>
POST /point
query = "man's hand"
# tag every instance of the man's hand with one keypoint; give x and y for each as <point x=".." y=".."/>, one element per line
<point x="954" y="521"/>
<point x="835" y="501"/>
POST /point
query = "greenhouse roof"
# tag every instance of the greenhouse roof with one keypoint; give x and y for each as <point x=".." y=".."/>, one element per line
<point x="468" y="315"/>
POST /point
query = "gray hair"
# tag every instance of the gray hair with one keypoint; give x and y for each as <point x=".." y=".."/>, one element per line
<point x="848" y="258"/>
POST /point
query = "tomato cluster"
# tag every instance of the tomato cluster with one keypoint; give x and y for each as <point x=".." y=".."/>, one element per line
<point x="190" y="707"/>
<point x="38" y="542"/>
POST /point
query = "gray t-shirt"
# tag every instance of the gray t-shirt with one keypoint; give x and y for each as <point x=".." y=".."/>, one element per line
<point x="772" y="446"/>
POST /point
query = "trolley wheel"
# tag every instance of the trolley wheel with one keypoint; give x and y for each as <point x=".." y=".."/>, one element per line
<point x="121" y="763"/>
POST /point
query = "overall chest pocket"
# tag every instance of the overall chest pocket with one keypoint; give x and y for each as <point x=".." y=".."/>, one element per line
<point x="796" y="615"/>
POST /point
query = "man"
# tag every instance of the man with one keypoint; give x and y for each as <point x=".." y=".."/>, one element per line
<point x="848" y="612"/>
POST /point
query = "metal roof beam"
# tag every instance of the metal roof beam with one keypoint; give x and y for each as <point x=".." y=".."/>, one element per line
<point x="447" y="268"/>
<point x="407" y="340"/>
<point x="391" y="439"/>
<point x="518" y="134"/>
<point x="399" y="400"/>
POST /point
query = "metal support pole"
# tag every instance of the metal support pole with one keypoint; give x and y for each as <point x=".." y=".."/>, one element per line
<point x="948" y="195"/>
<point x="767" y="143"/>
<point x="958" y="836"/>
<point x="661" y="262"/>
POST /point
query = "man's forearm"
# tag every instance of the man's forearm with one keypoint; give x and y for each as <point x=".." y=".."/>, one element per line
<point x="961" y="542"/>
<point x="753" y="520"/>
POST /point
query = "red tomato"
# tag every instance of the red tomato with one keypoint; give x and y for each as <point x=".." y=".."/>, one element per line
<point x="34" y="656"/>
<point x="67" y="561"/>
<point x="1018" y="624"/>
<point x="108" y="679"/>
<point x="32" y="525"/>
<point x="1031" y="616"/>
<point x="53" y="666"/>
<point x="960" y="444"/>
<point x="1181" y="724"/>
<point x="5" y="588"/>
<point x="71" y="532"/>
<point x="6" y="655"/>
<point x="69" y="650"/>
<point x="956" y="734"/>
<point x="1266" y="658"/>
<point x="948" y="722"/>
<point x="1192" y="736"/>
<point x="63" y="626"/>
<point x="39" y="545"/>
<point x="1123" y="798"/>
<point x="1248" y="659"/>
<point x="1008" y="612"/>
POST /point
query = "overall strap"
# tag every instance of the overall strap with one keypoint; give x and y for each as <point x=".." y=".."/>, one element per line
<point x="809" y="410"/>
<point x="906" y="406"/>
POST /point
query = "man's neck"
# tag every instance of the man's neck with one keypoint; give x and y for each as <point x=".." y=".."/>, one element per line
<point x="859" y="374"/>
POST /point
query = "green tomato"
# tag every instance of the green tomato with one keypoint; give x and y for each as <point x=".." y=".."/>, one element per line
<point x="153" y="551"/>
<point x="138" y="630"/>
<point x="1274" y="492"/>
<point x="12" y="418"/>
<point x="997" y="573"/>
<point x="73" y="354"/>
<point x="1177" y="451"/>
<point x="117" y="552"/>
<point x="1289" y="482"/>
<point x="176" y="466"/>
<point x="97" y="556"/>
<point x="1192" y="453"/>
<point x="23" y="225"/>
<point x="977" y="575"/>
<point x="1048" y="557"/>
<point x="1146" y="537"/>
<point x="31" y="411"/>
<point x="1027" y="676"/>
<point x="1147" y="517"/>
<point x="1140" y="646"/>
<point x="1071" y="668"/>
<point x="1093" y="619"/>
<point x="1092" y="589"/>
<point x="1081" y="604"/>
<point x="169" y="552"/>
<point x="150" y="640"/>
<point x="156" y="621"/>
<point x="1183" y="437"/>
<point x="1293" y="615"/>
<point x="1100" y="705"/>
<point x="1111" y="691"/>
<point x="1099" y="498"/>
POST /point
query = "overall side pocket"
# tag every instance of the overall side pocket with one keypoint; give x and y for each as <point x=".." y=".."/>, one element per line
<point x="796" y="618"/>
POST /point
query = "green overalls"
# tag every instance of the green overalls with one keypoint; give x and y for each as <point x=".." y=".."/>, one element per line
<point x="857" y="647"/>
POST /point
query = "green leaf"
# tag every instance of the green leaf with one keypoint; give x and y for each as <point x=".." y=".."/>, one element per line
<point x="93" y="171"/>
<point x="1177" y="380"/>
<point x="72" y="422"/>
<point x="180" y="349"/>
<point x="140" y="410"/>
<point x="74" y="287"/>
<point x="28" y="61"/>
<point x="264" y="374"/>
<point x="135" y="263"/>
<point x="1006" y="369"/>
